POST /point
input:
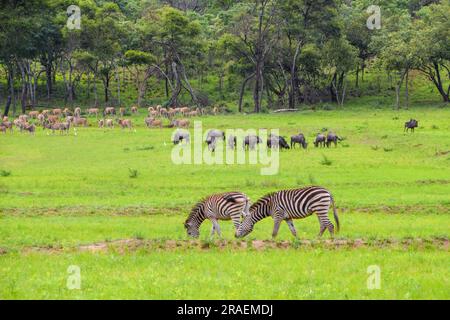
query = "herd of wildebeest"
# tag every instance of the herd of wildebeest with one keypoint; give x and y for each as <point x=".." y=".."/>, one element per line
<point x="61" y="120"/>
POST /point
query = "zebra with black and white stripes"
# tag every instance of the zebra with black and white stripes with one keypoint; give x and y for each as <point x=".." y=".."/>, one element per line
<point x="223" y="206"/>
<point x="288" y="205"/>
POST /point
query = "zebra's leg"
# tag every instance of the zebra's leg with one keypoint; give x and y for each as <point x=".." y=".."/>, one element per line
<point x="236" y="222"/>
<point x="276" y="226"/>
<point x="291" y="227"/>
<point x="216" y="227"/>
<point x="212" y="230"/>
<point x="325" y="224"/>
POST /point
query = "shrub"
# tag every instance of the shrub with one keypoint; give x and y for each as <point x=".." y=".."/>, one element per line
<point x="133" y="173"/>
<point x="325" y="161"/>
<point x="5" y="173"/>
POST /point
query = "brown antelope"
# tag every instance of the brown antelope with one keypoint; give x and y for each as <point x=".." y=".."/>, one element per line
<point x="125" y="123"/>
<point x="41" y="118"/>
<point x="110" y="110"/>
<point x="152" y="122"/>
<point x="52" y="119"/>
<point x="45" y="112"/>
<point x="122" y="112"/>
<point x="70" y="119"/>
<point x="134" y="109"/>
<point x="80" y="121"/>
<point x="171" y="113"/>
<point x="57" y="112"/>
<point x="66" y="112"/>
<point x="110" y="123"/>
<point x="31" y="128"/>
<point x="64" y="127"/>
<point x="23" y="118"/>
<point x="154" y="113"/>
<point x="192" y="114"/>
<point x="3" y="128"/>
<point x="92" y="111"/>
<point x="5" y="119"/>
<point x="150" y="109"/>
<point x="77" y="112"/>
<point x="215" y="111"/>
<point x="101" y="123"/>
<point x="163" y="112"/>
<point x="184" y="111"/>
<point x="19" y="124"/>
<point x="51" y="126"/>
<point x="183" y="123"/>
<point x="7" y="125"/>
<point x="33" y="114"/>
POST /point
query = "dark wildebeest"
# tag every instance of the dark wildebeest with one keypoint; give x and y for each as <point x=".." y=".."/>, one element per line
<point x="181" y="136"/>
<point x="231" y="142"/>
<point x="411" y="125"/>
<point x="212" y="137"/>
<point x="251" y="141"/>
<point x="300" y="139"/>
<point x="332" y="138"/>
<point x="320" y="140"/>
<point x="274" y="141"/>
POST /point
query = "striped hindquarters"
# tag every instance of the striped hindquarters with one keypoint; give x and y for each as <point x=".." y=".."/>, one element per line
<point x="300" y="203"/>
<point x="226" y="206"/>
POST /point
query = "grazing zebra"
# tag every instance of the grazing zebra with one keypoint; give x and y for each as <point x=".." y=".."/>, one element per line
<point x="224" y="206"/>
<point x="291" y="204"/>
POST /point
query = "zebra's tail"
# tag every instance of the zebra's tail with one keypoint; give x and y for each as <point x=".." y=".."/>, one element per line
<point x="336" y="218"/>
<point x="234" y="198"/>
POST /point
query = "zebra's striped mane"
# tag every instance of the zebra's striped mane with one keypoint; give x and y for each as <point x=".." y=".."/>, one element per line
<point x="262" y="201"/>
<point x="196" y="210"/>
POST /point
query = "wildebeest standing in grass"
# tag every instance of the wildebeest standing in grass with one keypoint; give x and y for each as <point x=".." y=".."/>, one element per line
<point x="286" y="205"/>
<point x="232" y="142"/>
<point x="274" y="141"/>
<point x="180" y="136"/>
<point x="224" y="206"/>
<point x="211" y="138"/>
<point x="300" y="139"/>
<point x="332" y="138"/>
<point x="320" y="140"/>
<point x="251" y="141"/>
<point x="411" y="125"/>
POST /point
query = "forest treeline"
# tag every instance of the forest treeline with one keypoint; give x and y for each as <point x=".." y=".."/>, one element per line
<point x="282" y="53"/>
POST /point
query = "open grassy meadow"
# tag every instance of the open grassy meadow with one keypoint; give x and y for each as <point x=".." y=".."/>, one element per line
<point x="113" y="203"/>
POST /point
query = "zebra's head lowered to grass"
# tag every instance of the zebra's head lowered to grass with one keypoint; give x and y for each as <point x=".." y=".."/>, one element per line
<point x="194" y="220"/>
<point x="259" y="210"/>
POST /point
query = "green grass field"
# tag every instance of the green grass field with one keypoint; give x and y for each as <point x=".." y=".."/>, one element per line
<point x="58" y="193"/>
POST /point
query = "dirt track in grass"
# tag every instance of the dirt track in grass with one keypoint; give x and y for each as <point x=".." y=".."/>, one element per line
<point x="132" y="245"/>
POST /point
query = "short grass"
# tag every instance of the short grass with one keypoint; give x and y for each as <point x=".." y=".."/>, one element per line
<point x="102" y="185"/>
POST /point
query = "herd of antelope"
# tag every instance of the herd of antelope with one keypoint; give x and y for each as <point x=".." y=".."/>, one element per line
<point x="61" y="120"/>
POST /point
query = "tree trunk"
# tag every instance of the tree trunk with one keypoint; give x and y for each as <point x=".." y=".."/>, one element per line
<point x="407" y="89"/>
<point x="241" y="96"/>
<point x="48" y="73"/>
<point x="257" y="92"/>
<point x="173" y="102"/>
<point x="292" y="96"/>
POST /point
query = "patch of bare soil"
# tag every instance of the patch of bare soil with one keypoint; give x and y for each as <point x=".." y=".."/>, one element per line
<point x="124" y="246"/>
